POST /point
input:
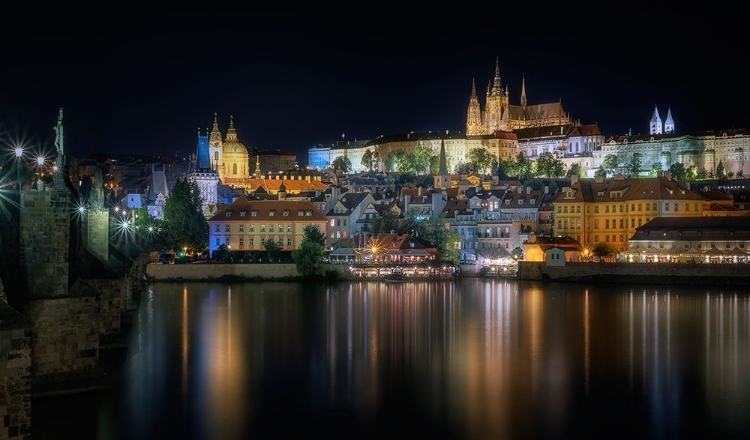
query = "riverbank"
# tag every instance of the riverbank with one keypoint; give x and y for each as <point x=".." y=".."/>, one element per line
<point x="637" y="273"/>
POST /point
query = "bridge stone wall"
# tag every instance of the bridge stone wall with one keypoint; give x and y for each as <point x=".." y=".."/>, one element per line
<point x="15" y="373"/>
<point x="44" y="242"/>
<point x="97" y="233"/>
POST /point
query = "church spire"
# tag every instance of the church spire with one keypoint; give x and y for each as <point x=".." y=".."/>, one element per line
<point x="497" y="86"/>
<point x="443" y="168"/>
<point x="655" y="126"/>
<point x="442" y="179"/>
<point x="473" y="88"/>
<point x="231" y="132"/>
<point x="669" y="123"/>
<point x="523" y="92"/>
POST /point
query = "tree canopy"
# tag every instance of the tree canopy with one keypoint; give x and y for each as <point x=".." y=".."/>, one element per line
<point x="184" y="224"/>
<point x="310" y="253"/>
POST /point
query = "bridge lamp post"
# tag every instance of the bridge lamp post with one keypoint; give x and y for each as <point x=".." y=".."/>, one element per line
<point x="19" y="154"/>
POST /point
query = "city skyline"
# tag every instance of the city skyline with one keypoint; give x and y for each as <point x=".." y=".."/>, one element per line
<point x="146" y="83"/>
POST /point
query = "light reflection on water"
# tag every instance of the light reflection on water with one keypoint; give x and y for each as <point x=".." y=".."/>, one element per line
<point x="480" y="358"/>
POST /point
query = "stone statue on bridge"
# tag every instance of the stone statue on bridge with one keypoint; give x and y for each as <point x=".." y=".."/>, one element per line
<point x="59" y="145"/>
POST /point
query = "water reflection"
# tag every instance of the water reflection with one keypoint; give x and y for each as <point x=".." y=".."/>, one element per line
<point x="475" y="359"/>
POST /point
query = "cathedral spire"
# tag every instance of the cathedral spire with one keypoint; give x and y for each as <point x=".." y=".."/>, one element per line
<point x="473" y="88"/>
<point x="497" y="86"/>
<point x="523" y="92"/>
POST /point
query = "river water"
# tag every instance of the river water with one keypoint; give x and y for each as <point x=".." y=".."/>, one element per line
<point x="473" y="359"/>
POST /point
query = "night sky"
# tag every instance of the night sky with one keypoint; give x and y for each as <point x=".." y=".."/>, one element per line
<point x="145" y="82"/>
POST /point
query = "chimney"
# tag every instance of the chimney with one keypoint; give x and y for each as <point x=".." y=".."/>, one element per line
<point x="668" y="175"/>
<point x="546" y="189"/>
<point x="599" y="179"/>
<point x="574" y="179"/>
<point x="528" y="190"/>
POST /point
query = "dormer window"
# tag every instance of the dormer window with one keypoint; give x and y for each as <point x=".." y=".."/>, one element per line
<point x="286" y="213"/>
<point x="507" y="201"/>
<point x="242" y="213"/>
<point x="254" y="213"/>
<point x="271" y="212"/>
<point x="229" y="213"/>
<point x="532" y="201"/>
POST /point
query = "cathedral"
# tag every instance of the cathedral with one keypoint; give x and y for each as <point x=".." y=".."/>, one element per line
<point x="499" y="115"/>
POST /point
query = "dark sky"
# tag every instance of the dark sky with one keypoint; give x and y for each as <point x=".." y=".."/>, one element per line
<point x="145" y="81"/>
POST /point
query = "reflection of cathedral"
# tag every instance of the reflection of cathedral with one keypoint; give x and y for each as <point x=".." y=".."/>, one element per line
<point x="500" y="115"/>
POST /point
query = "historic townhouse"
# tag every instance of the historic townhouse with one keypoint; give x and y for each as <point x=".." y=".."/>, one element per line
<point x="351" y="214"/>
<point x="609" y="210"/>
<point x="460" y="217"/>
<point x="245" y="224"/>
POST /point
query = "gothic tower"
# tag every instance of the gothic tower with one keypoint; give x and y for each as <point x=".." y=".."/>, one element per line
<point x="497" y="103"/>
<point x="205" y="177"/>
<point x="214" y="145"/>
<point x="655" y="127"/>
<point x="523" y="92"/>
<point x="669" y="123"/>
<point x="474" y="113"/>
<point x="442" y="179"/>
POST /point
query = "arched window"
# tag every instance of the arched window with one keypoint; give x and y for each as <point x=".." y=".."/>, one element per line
<point x="234" y="168"/>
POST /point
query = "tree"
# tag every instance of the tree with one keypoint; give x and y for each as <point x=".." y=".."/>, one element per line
<point x="184" y="224"/>
<point x="421" y="158"/>
<point x="524" y="167"/>
<point x="387" y="222"/>
<point x="367" y="160"/>
<point x="600" y="172"/>
<point x="604" y="250"/>
<point x="656" y="168"/>
<point x="342" y="163"/>
<point x="610" y="164"/>
<point x="720" y="171"/>
<point x="634" y="166"/>
<point x="575" y="170"/>
<point x="309" y="256"/>
<point x="678" y="171"/>
<point x="273" y="250"/>
<point x="480" y="159"/>
<point x="517" y="253"/>
<point x="449" y="248"/>
<point x="547" y="165"/>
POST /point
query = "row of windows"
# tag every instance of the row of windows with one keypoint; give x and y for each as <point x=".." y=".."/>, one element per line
<point x="727" y="246"/>
<point x="251" y="227"/>
<point x="607" y="239"/>
<point x="654" y="206"/>
<point x="562" y="224"/>
<point x="251" y="241"/>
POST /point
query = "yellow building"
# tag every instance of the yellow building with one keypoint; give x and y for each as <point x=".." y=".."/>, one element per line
<point x="601" y="210"/>
<point x="245" y="224"/>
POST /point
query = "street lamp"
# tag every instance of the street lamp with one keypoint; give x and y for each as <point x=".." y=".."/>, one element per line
<point x="19" y="153"/>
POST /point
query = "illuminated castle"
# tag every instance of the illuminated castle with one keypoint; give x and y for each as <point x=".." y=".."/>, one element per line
<point x="499" y="115"/>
